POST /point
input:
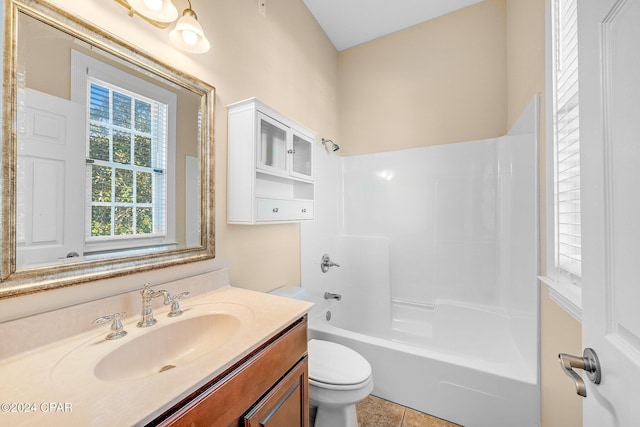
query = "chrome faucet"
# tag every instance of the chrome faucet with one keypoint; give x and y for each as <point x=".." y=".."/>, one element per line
<point x="329" y="295"/>
<point x="175" y="305"/>
<point x="147" y="312"/>
<point x="326" y="263"/>
<point x="117" y="330"/>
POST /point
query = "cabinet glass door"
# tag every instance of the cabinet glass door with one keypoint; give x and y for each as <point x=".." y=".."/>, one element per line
<point x="272" y="146"/>
<point x="302" y="166"/>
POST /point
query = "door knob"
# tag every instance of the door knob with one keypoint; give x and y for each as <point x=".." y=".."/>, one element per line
<point x="588" y="362"/>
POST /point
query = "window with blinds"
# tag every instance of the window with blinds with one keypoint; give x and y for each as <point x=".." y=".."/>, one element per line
<point x="126" y="163"/>
<point x="566" y="140"/>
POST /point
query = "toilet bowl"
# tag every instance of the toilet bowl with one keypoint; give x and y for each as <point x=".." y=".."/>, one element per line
<point x="339" y="377"/>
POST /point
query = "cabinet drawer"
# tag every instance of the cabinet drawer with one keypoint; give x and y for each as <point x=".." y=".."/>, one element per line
<point x="286" y="404"/>
<point x="283" y="210"/>
<point x="300" y="209"/>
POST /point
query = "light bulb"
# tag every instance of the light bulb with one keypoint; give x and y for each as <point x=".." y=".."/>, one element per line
<point x="190" y="37"/>
<point x="187" y="34"/>
<point x="153" y="4"/>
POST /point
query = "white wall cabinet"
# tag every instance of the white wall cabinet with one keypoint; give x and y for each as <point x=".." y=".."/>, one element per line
<point x="270" y="166"/>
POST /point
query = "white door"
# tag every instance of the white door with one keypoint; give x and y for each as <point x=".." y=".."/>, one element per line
<point x="50" y="179"/>
<point x="609" y="55"/>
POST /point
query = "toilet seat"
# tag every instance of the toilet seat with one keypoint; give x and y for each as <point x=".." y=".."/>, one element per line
<point x="336" y="367"/>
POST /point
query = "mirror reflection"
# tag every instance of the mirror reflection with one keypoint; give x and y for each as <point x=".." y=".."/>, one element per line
<point x="99" y="167"/>
<point x="112" y="152"/>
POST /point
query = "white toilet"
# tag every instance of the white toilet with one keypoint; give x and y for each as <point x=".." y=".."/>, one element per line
<point x="339" y="377"/>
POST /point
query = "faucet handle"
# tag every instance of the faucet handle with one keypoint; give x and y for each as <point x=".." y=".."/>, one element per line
<point x="326" y="263"/>
<point x="175" y="305"/>
<point x="116" y="325"/>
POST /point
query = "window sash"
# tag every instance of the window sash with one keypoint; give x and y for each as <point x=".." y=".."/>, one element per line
<point x="156" y="167"/>
<point x="566" y="142"/>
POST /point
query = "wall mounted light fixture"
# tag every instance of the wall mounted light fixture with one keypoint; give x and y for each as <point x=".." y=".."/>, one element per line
<point x="187" y="33"/>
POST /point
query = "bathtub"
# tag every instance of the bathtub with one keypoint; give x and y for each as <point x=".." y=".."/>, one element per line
<point x="455" y="361"/>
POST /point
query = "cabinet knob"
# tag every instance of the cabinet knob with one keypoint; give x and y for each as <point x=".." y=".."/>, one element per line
<point x="304" y="210"/>
<point x="275" y="210"/>
<point x="291" y="151"/>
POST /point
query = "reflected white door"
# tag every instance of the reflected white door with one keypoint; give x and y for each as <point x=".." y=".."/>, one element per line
<point x="609" y="40"/>
<point x="50" y="179"/>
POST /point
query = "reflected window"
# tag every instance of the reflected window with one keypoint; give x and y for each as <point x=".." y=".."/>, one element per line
<point x="129" y="197"/>
<point x="126" y="160"/>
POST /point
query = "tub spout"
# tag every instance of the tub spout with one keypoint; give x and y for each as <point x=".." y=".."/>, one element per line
<point x="329" y="295"/>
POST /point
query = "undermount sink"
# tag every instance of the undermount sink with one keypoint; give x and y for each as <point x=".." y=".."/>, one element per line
<point x="166" y="347"/>
<point x="145" y="352"/>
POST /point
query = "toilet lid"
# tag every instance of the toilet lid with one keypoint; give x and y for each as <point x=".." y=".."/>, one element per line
<point x="332" y="363"/>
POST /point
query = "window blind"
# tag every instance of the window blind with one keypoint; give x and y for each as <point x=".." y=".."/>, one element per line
<point x="566" y="140"/>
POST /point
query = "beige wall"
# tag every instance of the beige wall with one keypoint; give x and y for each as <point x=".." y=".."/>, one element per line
<point x="287" y="62"/>
<point x="525" y="54"/>
<point x="560" y="333"/>
<point x="438" y="82"/>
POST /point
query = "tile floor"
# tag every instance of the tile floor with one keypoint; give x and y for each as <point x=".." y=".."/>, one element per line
<point x="376" y="412"/>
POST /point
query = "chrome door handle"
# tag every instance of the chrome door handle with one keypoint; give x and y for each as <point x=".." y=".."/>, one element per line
<point x="588" y="362"/>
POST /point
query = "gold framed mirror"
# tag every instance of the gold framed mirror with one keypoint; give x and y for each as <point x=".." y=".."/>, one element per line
<point x="107" y="156"/>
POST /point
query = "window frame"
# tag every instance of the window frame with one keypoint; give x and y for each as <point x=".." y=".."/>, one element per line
<point x="84" y="66"/>
<point x="564" y="289"/>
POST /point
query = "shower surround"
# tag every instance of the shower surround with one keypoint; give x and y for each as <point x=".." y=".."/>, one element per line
<point x="437" y="249"/>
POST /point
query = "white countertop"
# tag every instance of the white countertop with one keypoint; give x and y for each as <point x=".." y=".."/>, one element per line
<point x="53" y="385"/>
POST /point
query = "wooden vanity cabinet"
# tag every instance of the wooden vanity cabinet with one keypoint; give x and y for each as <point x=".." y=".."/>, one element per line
<point x="285" y="404"/>
<point x="269" y="388"/>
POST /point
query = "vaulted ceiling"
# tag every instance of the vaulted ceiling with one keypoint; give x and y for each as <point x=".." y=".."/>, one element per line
<point x="352" y="22"/>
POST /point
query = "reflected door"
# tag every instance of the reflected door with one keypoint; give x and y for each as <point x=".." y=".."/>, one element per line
<point x="50" y="177"/>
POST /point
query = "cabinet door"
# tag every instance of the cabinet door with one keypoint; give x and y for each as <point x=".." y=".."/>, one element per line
<point x="271" y="150"/>
<point x="302" y="151"/>
<point x="286" y="404"/>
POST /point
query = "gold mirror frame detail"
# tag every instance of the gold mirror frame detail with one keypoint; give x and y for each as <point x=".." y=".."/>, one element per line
<point x="36" y="279"/>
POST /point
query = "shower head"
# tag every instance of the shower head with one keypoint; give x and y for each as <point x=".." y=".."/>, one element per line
<point x="329" y="145"/>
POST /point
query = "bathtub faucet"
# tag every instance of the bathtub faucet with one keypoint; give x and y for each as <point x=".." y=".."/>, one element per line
<point x="329" y="295"/>
<point x="326" y="263"/>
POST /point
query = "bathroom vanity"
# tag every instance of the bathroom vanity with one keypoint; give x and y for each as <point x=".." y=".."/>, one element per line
<point x="270" y="387"/>
<point x="234" y="357"/>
